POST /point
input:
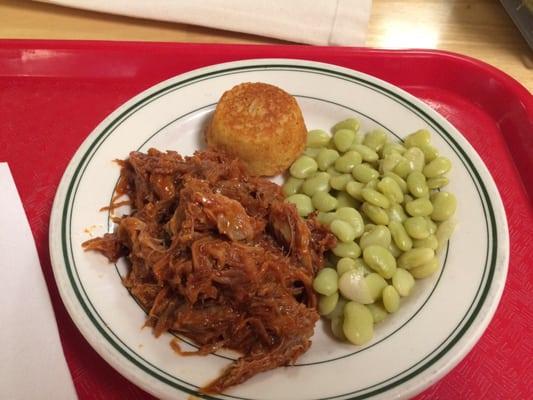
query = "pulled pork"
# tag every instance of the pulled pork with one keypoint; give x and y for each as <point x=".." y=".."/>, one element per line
<point x="219" y="257"/>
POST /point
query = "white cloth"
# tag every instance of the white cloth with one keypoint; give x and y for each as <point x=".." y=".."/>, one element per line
<point x="320" y="22"/>
<point x="32" y="364"/>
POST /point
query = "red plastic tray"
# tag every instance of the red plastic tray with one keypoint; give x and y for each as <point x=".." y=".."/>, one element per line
<point x="53" y="93"/>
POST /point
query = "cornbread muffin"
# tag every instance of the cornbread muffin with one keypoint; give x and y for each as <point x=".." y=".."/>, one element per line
<point x="260" y="124"/>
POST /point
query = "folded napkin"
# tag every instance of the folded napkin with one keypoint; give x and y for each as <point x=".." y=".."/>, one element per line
<point x="32" y="365"/>
<point x="320" y="22"/>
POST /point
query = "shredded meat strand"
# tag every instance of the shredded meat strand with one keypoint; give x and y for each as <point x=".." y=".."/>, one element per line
<point x="217" y="256"/>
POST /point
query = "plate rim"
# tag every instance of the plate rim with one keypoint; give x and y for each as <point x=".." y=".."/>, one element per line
<point x="479" y="323"/>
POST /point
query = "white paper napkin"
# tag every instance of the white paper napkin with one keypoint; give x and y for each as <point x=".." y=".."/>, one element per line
<point x="320" y="22"/>
<point x="32" y="365"/>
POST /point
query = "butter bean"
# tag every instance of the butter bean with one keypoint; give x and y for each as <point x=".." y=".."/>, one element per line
<point x="332" y="171"/>
<point x="372" y="184"/>
<point x="339" y="182"/>
<point x="354" y="189"/>
<point x="353" y="217"/>
<point x="416" y="157"/>
<point x="376" y="198"/>
<point x="303" y="167"/>
<point x="419" y="207"/>
<point x="347" y="161"/>
<point x="292" y="186"/>
<point x="343" y="139"/>
<point x="326" y="217"/>
<point x="326" y="281"/>
<point x="361" y="265"/>
<point x="378" y="312"/>
<point x="389" y="162"/>
<point x="303" y="204"/>
<point x="375" y="284"/>
<point x="439" y="166"/>
<point x="326" y="304"/>
<point x="403" y="168"/>
<point x="338" y="311"/>
<point x="391" y="148"/>
<point x="345" y="200"/>
<point x="317" y="183"/>
<point x="364" y="173"/>
<point x="350" y="249"/>
<point x="425" y="270"/>
<point x="432" y="226"/>
<point x="391" y="299"/>
<point x="369" y="227"/>
<point x="400" y="236"/>
<point x="400" y="181"/>
<point x="379" y="236"/>
<point x="342" y="230"/>
<point x="438" y="182"/>
<point x="394" y="250"/>
<point x="317" y="138"/>
<point x="376" y="214"/>
<point x="326" y="158"/>
<point x="375" y="139"/>
<point x="444" y="206"/>
<point x="396" y="213"/>
<point x="349" y="123"/>
<point x="417" y="227"/>
<point x="353" y="286"/>
<point x="430" y="242"/>
<point x="358" y="325"/>
<point x="430" y="152"/>
<point x="391" y="189"/>
<point x="418" y="138"/>
<point x="403" y="282"/>
<point x="367" y="154"/>
<point x="324" y="202"/>
<point x="311" y="152"/>
<point x="416" y="183"/>
<point x="380" y="260"/>
<point x="415" y="257"/>
<point x="344" y="265"/>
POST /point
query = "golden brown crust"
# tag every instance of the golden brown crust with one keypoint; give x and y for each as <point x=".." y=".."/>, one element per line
<point x="260" y="124"/>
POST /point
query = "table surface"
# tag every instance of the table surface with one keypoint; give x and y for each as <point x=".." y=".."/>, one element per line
<point x="478" y="28"/>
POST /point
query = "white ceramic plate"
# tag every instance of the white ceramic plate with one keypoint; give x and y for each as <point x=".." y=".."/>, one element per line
<point x="435" y="327"/>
